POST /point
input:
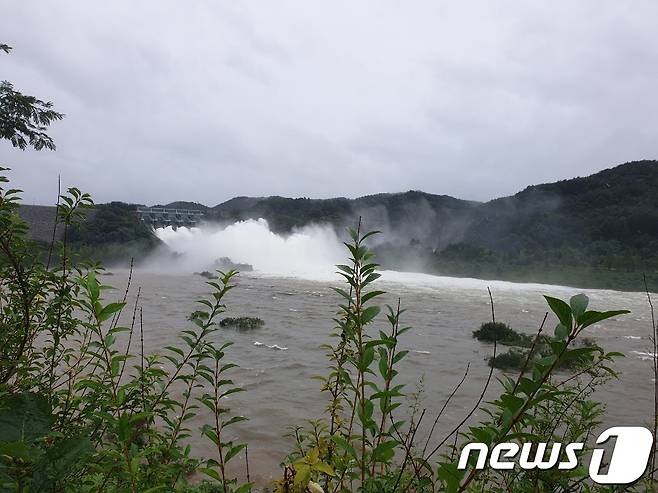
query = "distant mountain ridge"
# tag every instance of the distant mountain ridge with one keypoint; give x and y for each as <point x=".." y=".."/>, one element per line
<point x="594" y="231"/>
<point x="619" y="204"/>
<point x="424" y="216"/>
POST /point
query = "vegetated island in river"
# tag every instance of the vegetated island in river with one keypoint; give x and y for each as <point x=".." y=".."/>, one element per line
<point x="225" y="264"/>
<point x="524" y="349"/>
<point x="599" y="231"/>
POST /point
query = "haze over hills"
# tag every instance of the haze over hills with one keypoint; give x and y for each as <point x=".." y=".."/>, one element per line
<point x="600" y="230"/>
<point x="615" y="206"/>
<point x="430" y="219"/>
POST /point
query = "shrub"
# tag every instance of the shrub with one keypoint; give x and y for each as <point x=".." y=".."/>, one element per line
<point x="512" y="359"/>
<point x="94" y="414"/>
<point x="245" y="323"/>
<point x="493" y="331"/>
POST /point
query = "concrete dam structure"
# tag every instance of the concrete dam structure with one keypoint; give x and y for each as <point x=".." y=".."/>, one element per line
<point x="160" y="217"/>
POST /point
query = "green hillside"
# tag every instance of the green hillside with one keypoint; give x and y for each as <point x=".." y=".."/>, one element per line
<point x="616" y="207"/>
<point x="430" y="219"/>
<point x="113" y="233"/>
<point x="600" y="230"/>
<point x="283" y="214"/>
<point x="595" y="231"/>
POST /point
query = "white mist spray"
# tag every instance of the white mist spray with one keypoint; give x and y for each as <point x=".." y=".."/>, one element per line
<point x="311" y="251"/>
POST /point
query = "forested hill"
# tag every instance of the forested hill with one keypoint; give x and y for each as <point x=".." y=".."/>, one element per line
<point x="600" y="230"/>
<point x="602" y="212"/>
<point x="420" y="216"/>
<point x="618" y="206"/>
<point x="596" y="231"/>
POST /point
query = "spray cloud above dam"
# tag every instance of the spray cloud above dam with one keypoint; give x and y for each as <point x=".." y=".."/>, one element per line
<point x="312" y="250"/>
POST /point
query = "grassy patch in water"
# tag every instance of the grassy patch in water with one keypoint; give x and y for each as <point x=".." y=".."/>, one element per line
<point x="511" y="360"/>
<point x="516" y="357"/>
<point x="502" y="334"/>
<point x="246" y="323"/>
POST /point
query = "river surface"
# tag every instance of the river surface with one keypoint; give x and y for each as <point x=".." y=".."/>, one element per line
<point x="277" y="362"/>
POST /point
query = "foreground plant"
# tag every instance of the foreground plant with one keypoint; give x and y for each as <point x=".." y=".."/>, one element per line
<point x="79" y="409"/>
<point x="536" y="407"/>
<point x="356" y="444"/>
<point x="362" y="446"/>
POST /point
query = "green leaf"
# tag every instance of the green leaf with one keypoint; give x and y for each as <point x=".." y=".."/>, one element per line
<point x="512" y="402"/>
<point x="369" y="314"/>
<point x="245" y="488"/>
<point x="324" y="468"/>
<point x="383" y="363"/>
<point x="561" y="310"/>
<point x="399" y="356"/>
<point x="385" y="451"/>
<point x="371" y="277"/>
<point x="210" y="472"/>
<point x="59" y="461"/>
<point x="578" y="352"/>
<point x="592" y="317"/>
<point x="481" y="435"/>
<point x="578" y="304"/>
<point x="24" y="417"/>
<point x="369" y="234"/>
<point x="93" y="289"/>
<point x="302" y="474"/>
<point x="365" y="411"/>
<point x="345" y="445"/>
<point x="561" y="332"/>
<point x="233" y="420"/>
<point x="368" y="296"/>
<point x="546" y="361"/>
<point x="343" y="293"/>
<point x="109" y="310"/>
<point x="452" y="476"/>
<point x="527" y="386"/>
<point x="368" y="357"/>
<point x="233" y="451"/>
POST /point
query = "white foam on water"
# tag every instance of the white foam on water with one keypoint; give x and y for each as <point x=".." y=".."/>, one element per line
<point x="308" y="252"/>
<point x="643" y="355"/>
<point x="273" y="346"/>
<point x="277" y="347"/>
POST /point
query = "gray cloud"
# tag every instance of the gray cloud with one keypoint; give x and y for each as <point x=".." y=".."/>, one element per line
<point x="207" y="100"/>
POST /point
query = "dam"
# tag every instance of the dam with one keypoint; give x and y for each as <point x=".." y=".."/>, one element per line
<point x="160" y="217"/>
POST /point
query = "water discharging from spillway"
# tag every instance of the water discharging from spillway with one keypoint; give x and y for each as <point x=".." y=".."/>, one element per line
<point x="310" y="252"/>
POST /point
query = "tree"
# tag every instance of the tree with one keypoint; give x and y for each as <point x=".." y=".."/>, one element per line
<point x="24" y="119"/>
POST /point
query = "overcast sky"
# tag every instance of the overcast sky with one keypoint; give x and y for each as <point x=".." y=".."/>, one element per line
<point x="204" y="101"/>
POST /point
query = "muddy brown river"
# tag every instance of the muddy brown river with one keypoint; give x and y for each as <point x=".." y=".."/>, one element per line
<point x="277" y="362"/>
